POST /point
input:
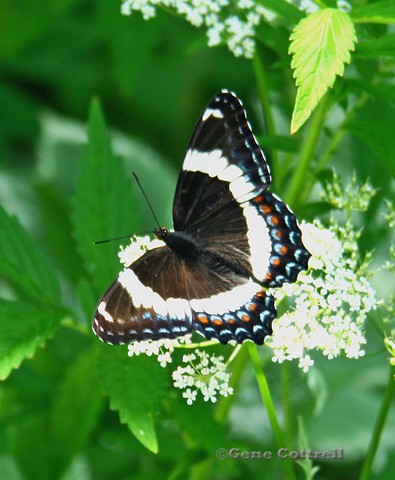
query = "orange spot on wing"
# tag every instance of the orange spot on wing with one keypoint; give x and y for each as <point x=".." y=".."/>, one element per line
<point x="266" y="208"/>
<point x="218" y="322"/>
<point x="246" y="318"/>
<point x="274" y="220"/>
<point x="276" y="262"/>
<point x="269" y="277"/>
<point x="284" y="250"/>
<point x="203" y="319"/>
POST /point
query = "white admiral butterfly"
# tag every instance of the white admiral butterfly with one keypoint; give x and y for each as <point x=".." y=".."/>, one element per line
<point x="231" y="238"/>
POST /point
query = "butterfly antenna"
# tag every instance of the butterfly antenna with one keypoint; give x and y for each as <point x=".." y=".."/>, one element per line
<point x="146" y="198"/>
<point x="97" y="242"/>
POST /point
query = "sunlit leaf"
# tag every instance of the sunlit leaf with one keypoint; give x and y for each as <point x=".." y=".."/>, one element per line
<point x="320" y="44"/>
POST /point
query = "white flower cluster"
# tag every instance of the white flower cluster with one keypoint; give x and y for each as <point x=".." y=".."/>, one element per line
<point x="160" y="348"/>
<point x="205" y="373"/>
<point x="350" y="197"/>
<point x="227" y="21"/>
<point x="331" y="300"/>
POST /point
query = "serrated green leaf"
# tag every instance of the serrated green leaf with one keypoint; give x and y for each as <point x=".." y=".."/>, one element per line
<point x="320" y="44"/>
<point x="377" y="12"/>
<point x="24" y="328"/>
<point x="24" y="265"/>
<point x="75" y="411"/>
<point x="136" y="388"/>
<point x="104" y="205"/>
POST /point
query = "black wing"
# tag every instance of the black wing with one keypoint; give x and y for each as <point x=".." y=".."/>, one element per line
<point x="222" y="198"/>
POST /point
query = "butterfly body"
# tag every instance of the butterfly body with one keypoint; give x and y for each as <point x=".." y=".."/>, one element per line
<point x="232" y="238"/>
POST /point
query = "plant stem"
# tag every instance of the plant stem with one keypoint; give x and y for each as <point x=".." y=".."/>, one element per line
<point x="268" y="402"/>
<point x="378" y="428"/>
<point x="264" y="96"/>
<point x="298" y="182"/>
<point x="334" y="143"/>
<point x="286" y="402"/>
<point x="225" y="404"/>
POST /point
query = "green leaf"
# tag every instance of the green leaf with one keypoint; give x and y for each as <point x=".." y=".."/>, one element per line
<point x="303" y="444"/>
<point x="319" y="388"/>
<point x="383" y="47"/>
<point x="104" y="205"/>
<point x="75" y="411"/>
<point x="377" y="137"/>
<point x="283" y="9"/>
<point x="320" y="45"/>
<point x="135" y="387"/>
<point x="24" y="328"/>
<point x="9" y="469"/>
<point x="377" y="12"/>
<point x="24" y="265"/>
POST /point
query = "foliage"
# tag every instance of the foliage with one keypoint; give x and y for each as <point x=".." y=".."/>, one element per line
<point x="71" y="407"/>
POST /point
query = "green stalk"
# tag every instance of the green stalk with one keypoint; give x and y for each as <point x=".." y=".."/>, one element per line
<point x="268" y="402"/>
<point x="286" y="402"/>
<point x="298" y="182"/>
<point x="333" y="144"/>
<point x="225" y="404"/>
<point x="263" y="88"/>
<point x="378" y="428"/>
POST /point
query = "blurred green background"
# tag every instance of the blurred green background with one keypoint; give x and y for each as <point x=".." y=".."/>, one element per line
<point x="153" y="80"/>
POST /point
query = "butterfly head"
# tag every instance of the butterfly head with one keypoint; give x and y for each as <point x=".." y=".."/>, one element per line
<point x="161" y="233"/>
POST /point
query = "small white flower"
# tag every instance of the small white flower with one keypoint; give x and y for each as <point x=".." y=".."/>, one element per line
<point x="190" y="395"/>
<point x="164" y="358"/>
<point x="203" y="373"/>
<point x="189" y="358"/>
<point x="305" y="363"/>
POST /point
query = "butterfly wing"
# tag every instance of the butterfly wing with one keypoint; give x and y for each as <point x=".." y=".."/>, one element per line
<point x="147" y="301"/>
<point x="163" y="295"/>
<point x="222" y="197"/>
